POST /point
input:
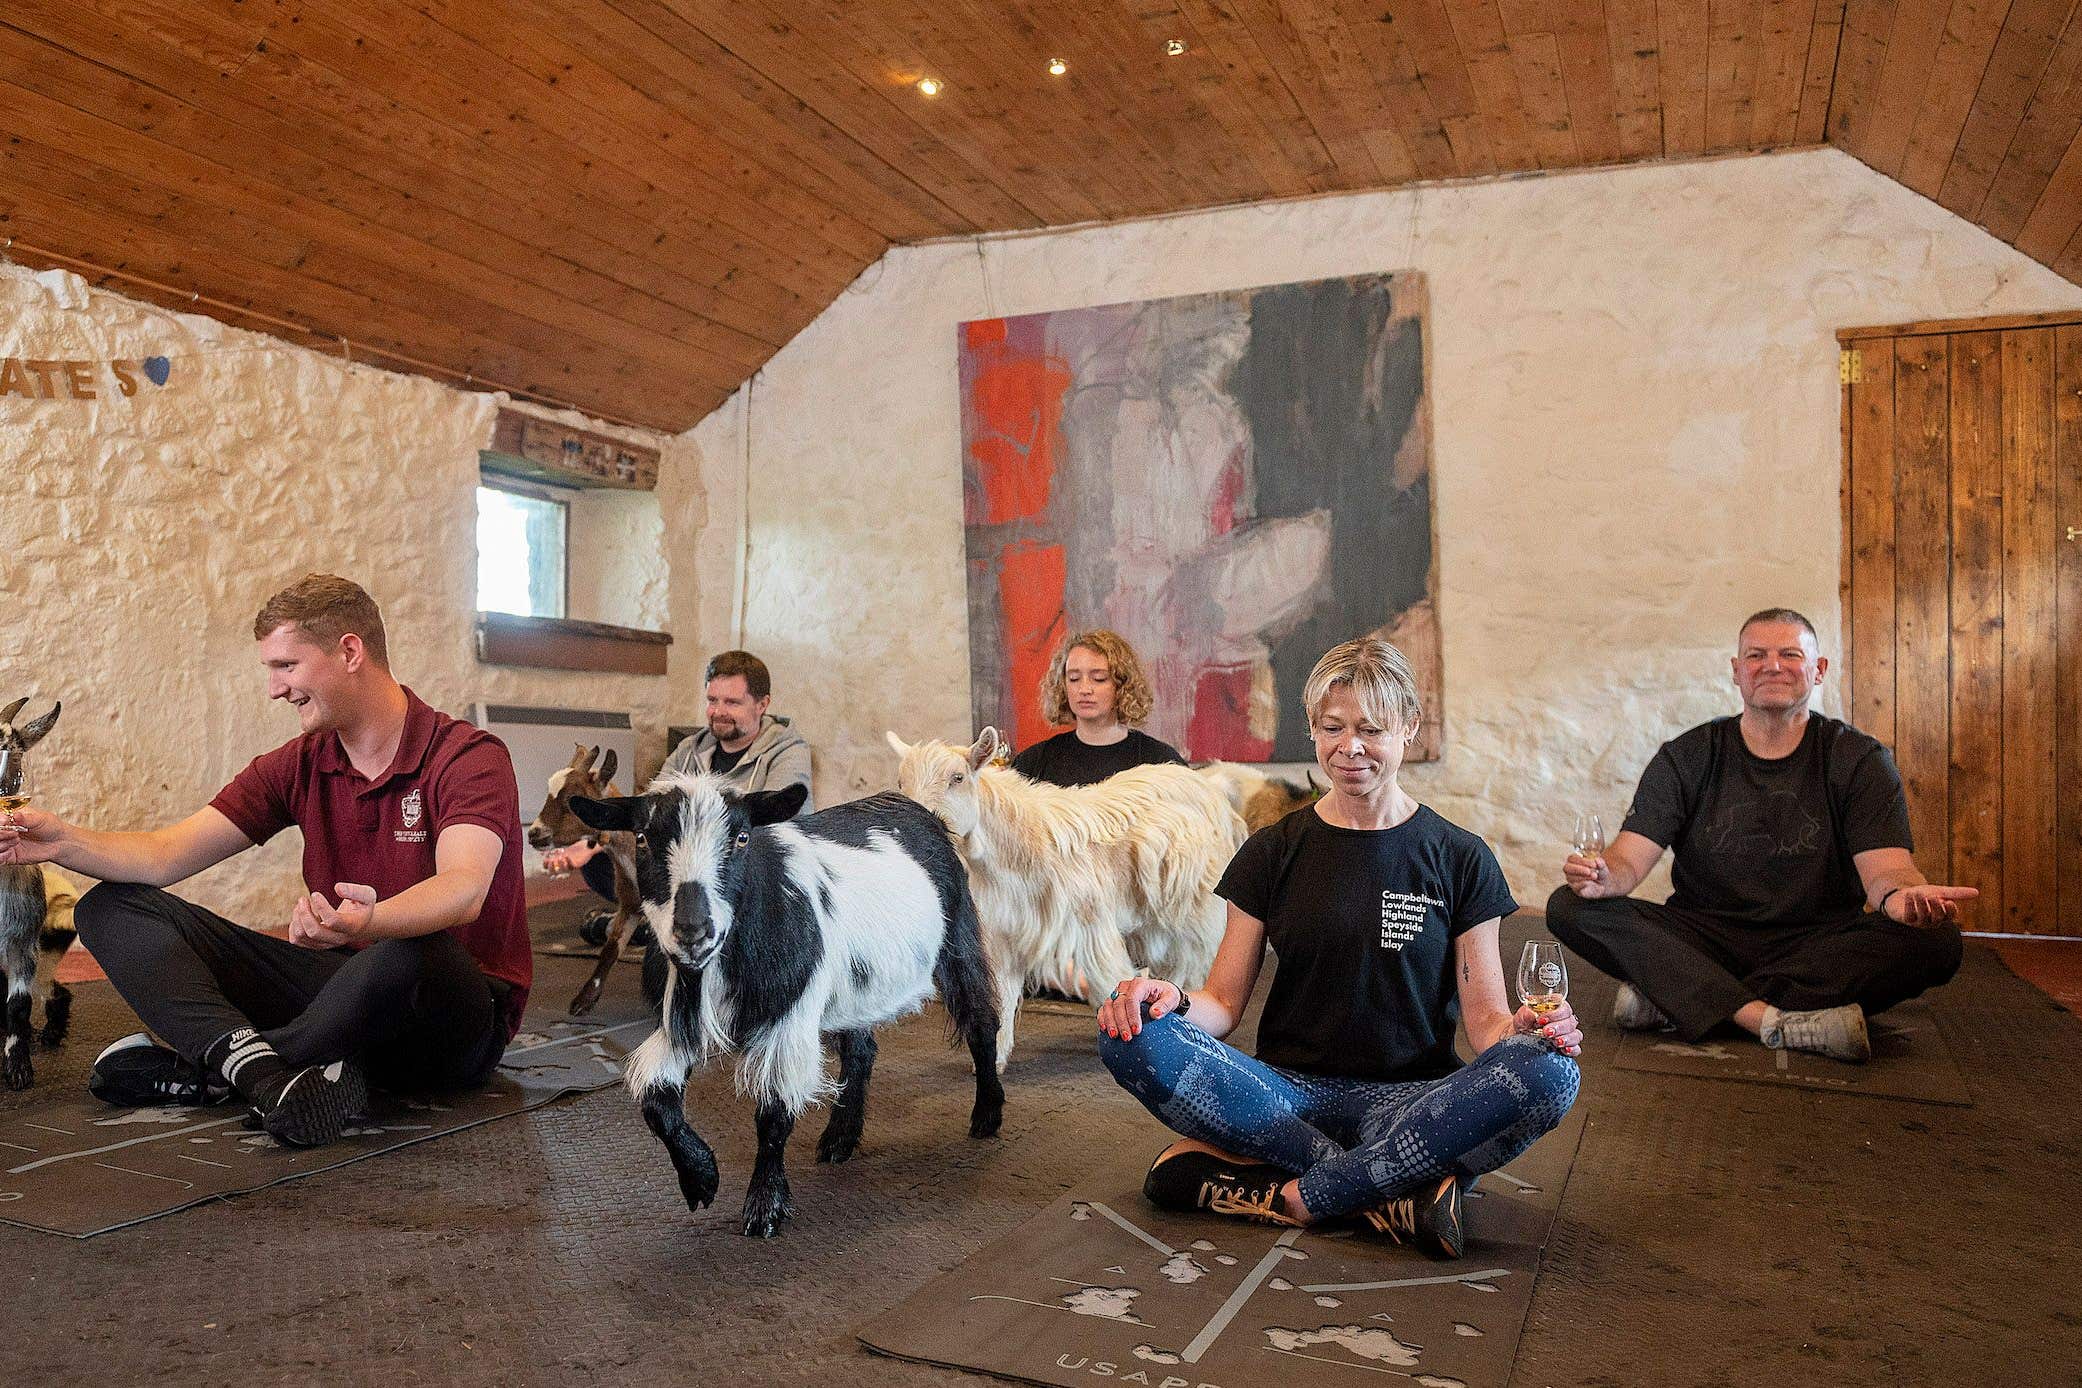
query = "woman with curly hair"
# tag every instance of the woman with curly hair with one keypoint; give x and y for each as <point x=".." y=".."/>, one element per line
<point x="1096" y="682"/>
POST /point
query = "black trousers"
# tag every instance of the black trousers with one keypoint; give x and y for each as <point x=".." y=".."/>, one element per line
<point x="1700" y="968"/>
<point x="418" y="1013"/>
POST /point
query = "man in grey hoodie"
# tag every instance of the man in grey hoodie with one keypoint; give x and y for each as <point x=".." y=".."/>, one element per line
<point x="743" y="743"/>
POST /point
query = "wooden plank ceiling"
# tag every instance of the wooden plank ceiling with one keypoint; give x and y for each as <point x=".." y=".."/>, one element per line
<point x="629" y="205"/>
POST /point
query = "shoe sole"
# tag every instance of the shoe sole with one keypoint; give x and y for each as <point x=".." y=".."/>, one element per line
<point x="1451" y="1240"/>
<point x="315" y="1109"/>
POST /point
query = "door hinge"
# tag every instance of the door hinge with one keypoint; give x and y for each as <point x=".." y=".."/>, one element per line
<point x="1850" y="366"/>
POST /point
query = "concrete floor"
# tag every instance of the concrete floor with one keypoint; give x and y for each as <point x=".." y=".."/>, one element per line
<point x="1711" y="1233"/>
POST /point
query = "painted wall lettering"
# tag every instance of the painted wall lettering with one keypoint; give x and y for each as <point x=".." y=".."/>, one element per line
<point x="39" y="378"/>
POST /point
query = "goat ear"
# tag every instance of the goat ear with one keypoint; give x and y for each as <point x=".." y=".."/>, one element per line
<point x="33" y="732"/>
<point x="773" y="806"/>
<point x="986" y="747"/>
<point x="607" y="766"/>
<point x="616" y="812"/>
<point x="898" y="745"/>
<point x="7" y="714"/>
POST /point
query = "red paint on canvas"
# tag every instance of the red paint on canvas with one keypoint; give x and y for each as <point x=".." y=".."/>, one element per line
<point x="1030" y="600"/>
<point x="1013" y="407"/>
<point x="1220" y="724"/>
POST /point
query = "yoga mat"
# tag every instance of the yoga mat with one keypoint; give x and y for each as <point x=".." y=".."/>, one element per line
<point x="1100" y="1286"/>
<point x="73" y="1165"/>
<point x="1910" y="1060"/>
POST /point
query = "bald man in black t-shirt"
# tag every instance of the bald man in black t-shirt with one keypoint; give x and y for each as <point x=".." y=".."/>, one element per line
<point x="1797" y="910"/>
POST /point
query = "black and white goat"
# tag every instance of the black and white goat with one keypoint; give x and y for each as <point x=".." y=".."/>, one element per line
<point x="783" y="933"/>
<point x="29" y="948"/>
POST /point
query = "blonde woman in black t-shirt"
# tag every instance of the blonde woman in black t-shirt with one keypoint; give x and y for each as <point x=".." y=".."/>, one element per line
<point x="1385" y="919"/>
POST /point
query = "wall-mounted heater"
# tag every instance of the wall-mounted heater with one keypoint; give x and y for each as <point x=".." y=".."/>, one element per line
<point x="541" y="739"/>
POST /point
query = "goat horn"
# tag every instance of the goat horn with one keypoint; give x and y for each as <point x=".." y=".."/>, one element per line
<point x="7" y="714"/>
<point x="32" y="733"/>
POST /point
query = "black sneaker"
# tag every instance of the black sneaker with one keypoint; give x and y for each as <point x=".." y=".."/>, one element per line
<point x="1430" y="1221"/>
<point x="137" y="1072"/>
<point x="1196" y="1180"/>
<point x="593" y="929"/>
<point x="316" y="1104"/>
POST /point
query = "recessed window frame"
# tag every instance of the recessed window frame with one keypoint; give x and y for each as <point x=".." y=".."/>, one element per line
<point x="560" y="497"/>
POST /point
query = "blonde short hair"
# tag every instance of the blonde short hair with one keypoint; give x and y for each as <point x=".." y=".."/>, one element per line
<point x="1379" y="676"/>
<point x="1132" y="700"/>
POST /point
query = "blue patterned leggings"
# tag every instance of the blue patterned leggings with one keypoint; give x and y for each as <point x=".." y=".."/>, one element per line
<point x="1353" y="1143"/>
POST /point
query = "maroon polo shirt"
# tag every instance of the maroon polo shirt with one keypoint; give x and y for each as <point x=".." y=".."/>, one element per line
<point x="382" y="833"/>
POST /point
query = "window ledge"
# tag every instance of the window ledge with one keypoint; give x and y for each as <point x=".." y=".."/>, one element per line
<point x="558" y="643"/>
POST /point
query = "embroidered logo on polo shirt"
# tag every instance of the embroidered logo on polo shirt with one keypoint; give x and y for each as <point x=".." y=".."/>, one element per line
<point x="411" y="810"/>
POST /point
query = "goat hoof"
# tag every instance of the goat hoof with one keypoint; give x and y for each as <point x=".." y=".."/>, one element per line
<point x="837" y="1147"/>
<point x="986" y="1122"/>
<point x="699" y="1194"/>
<point x="763" y="1218"/>
<point x="18" y="1072"/>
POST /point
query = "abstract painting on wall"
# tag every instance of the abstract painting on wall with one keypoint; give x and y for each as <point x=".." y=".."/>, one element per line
<point x="1234" y="482"/>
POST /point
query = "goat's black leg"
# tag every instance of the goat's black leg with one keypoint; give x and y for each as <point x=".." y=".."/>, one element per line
<point x="665" y="1111"/>
<point x="970" y="995"/>
<point x="57" y="1008"/>
<point x="849" y="1115"/>
<point x="57" y="1016"/>
<point x="15" y="1066"/>
<point x="767" y="1202"/>
<point x="989" y="1111"/>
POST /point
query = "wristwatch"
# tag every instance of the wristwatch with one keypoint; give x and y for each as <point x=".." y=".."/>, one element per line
<point x="1185" y="1001"/>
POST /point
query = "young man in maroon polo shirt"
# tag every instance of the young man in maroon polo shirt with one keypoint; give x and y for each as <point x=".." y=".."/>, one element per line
<point x="409" y="953"/>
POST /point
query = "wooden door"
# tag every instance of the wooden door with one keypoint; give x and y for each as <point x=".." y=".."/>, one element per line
<point x="1963" y="600"/>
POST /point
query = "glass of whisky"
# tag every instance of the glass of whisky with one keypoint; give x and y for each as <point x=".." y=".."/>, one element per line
<point x="1543" y="977"/>
<point x="11" y="797"/>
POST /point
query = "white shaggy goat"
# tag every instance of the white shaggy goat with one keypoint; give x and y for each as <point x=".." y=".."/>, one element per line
<point x="1095" y="879"/>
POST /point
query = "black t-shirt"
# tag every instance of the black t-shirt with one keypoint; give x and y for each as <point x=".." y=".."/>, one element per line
<point x="1769" y="842"/>
<point x="1363" y="921"/>
<point x="722" y="763"/>
<point x="1066" y="760"/>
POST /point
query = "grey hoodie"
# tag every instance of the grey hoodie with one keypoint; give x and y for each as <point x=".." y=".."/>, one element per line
<point x="777" y="758"/>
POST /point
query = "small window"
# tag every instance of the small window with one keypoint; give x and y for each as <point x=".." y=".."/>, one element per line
<point x="522" y="537"/>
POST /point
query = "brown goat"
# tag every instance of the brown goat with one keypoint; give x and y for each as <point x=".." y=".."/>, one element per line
<point x="556" y="827"/>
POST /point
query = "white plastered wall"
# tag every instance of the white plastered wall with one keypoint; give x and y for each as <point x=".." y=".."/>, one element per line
<point x="139" y="536"/>
<point x="1636" y="408"/>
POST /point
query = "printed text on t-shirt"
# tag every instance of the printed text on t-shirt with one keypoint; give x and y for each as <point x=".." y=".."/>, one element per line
<point x="1402" y="917"/>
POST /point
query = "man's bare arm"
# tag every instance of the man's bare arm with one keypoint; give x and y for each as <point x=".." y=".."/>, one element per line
<point x="465" y="858"/>
<point x="151" y="857"/>
<point x="1616" y="871"/>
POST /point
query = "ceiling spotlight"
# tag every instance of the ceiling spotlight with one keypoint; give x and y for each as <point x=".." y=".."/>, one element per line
<point x="1057" y="67"/>
<point x="1174" y="47"/>
<point x="930" y="86"/>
